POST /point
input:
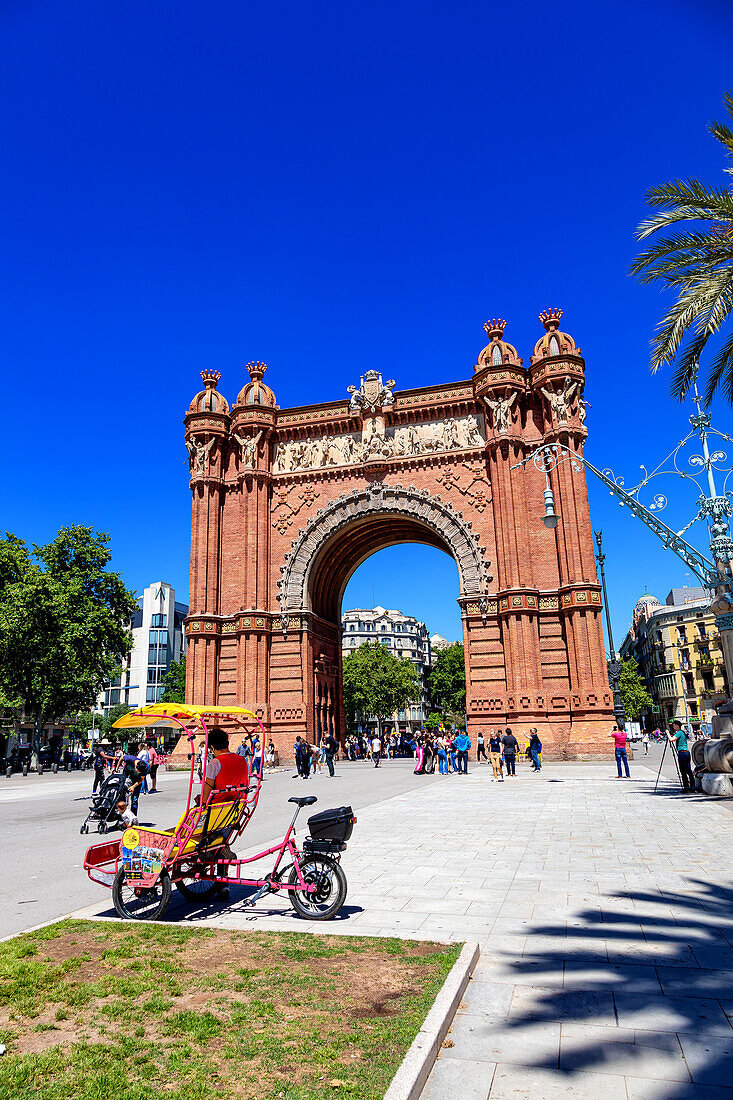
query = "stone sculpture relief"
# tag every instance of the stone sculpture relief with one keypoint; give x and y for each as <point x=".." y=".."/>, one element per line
<point x="501" y="410"/>
<point x="199" y="453"/>
<point x="249" y="445"/>
<point x="560" y="400"/>
<point x="582" y="406"/>
<point x="402" y="442"/>
<point x="372" y="393"/>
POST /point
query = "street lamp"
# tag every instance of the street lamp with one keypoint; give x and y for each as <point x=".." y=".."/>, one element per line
<point x="614" y="665"/>
<point x="713" y="507"/>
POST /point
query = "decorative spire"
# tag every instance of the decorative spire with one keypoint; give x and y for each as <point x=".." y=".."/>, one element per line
<point x="495" y="329"/>
<point x="256" y="370"/>
<point x="210" y="378"/>
<point x="551" y="319"/>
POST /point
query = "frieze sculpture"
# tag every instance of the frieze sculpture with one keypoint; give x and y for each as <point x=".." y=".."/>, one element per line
<point x="372" y="393"/>
<point x="501" y="410"/>
<point x="249" y="445"/>
<point x="409" y="441"/>
<point x="199" y="453"/>
<point x="582" y="406"/>
<point x="560" y="401"/>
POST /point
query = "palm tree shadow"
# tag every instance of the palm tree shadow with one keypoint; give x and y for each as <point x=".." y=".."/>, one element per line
<point x="650" y="978"/>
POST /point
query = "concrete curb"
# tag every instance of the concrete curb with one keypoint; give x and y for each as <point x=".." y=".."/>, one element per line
<point x="410" y="1079"/>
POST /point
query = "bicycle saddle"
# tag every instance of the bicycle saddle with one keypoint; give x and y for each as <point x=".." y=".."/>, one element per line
<point x="307" y="801"/>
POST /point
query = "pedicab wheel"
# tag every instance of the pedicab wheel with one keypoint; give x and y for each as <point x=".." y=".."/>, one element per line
<point x="134" y="902"/>
<point x="330" y="893"/>
<point x="196" y="889"/>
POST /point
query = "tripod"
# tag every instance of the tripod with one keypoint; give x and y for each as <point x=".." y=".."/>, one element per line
<point x="676" y="763"/>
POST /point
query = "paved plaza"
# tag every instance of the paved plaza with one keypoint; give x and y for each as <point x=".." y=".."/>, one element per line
<point x="604" y="913"/>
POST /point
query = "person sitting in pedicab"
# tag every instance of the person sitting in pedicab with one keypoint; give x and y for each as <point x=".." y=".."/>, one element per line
<point x="226" y="769"/>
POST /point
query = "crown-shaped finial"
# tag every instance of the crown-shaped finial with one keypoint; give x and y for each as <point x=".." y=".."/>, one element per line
<point x="256" y="370"/>
<point x="495" y="329"/>
<point x="551" y="319"/>
<point x="210" y="378"/>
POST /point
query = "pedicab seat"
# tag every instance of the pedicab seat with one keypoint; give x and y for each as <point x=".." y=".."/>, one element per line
<point x="218" y="816"/>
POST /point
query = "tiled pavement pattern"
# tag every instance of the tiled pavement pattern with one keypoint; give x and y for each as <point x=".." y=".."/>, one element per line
<point x="604" y="913"/>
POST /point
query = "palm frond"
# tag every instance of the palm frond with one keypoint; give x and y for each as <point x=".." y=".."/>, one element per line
<point x="721" y="370"/>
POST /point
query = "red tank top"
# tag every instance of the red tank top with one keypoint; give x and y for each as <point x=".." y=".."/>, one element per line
<point x="234" y="772"/>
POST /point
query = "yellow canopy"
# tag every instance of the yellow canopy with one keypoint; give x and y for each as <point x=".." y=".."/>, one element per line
<point x="162" y="714"/>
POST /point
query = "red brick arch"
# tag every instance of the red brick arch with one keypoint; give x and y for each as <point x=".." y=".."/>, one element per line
<point x="288" y="502"/>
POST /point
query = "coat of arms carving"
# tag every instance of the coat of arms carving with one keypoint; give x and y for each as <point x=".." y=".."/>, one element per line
<point x="373" y="393"/>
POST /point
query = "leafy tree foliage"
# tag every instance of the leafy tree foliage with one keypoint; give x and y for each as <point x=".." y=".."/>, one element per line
<point x="634" y="694"/>
<point x="378" y="683"/>
<point x="448" y="680"/>
<point x="63" y="623"/>
<point x="433" y="720"/>
<point x="697" y="264"/>
<point x="174" y="684"/>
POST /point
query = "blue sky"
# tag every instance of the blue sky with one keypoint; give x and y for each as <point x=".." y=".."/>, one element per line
<point x="328" y="187"/>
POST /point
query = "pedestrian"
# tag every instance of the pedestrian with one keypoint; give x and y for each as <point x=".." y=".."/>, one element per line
<point x="645" y="742"/>
<point x="452" y="751"/>
<point x="100" y="760"/>
<point x="463" y="744"/>
<point x="155" y="760"/>
<point x="270" y="754"/>
<point x="442" y="757"/>
<point x="495" y="756"/>
<point x="332" y="747"/>
<point x="419" y="753"/>
<point x="678" y="738"/>
<point x="256" y="756"/>
<point x="376" y="749"/>
<point x="144" y="755"/>
<point x="301" y="756"/>
<point x="511" y="748"/>
<point x="535" y="748"/>
<point x="480" y="747"/>
<point x="619" y="739"/>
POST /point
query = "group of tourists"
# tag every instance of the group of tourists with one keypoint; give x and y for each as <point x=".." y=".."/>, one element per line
<point x="449" y="751"/>
<point x="311" y="758"/>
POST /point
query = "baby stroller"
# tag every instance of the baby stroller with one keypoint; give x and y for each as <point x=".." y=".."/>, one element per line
<point x="104" y="804"/>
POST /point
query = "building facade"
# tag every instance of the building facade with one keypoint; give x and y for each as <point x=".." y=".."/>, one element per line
<point x="287" y="503"/>
<point x="403" y="636"/>
<point x="677" y="648"/>
<point x="158" y="639"/>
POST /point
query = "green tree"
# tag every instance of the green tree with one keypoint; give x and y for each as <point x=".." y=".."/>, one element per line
<point x="697" y="264"/>
<point x="378" y="683"/>
<point x="448" y="680"/>
<point x="174" y="684"/>
<point x="634" y="694"/>
<point x="433" y="720"/>
<point x="63" y="623"/>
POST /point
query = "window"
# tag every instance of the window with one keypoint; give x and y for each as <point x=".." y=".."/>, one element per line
<point x="554" y="346"/>
<point x="114" y="698"/>
<point x="159" y="620"/>
<point x="496" y="355"/>
<point x="352" y="627"/>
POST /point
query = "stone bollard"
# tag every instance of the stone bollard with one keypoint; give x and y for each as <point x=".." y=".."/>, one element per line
<point x="717" y="784"/>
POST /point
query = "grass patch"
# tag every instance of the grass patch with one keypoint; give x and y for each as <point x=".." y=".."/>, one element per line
<point x="103" y="1010"/>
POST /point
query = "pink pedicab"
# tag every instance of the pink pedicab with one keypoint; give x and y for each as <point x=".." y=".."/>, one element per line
<point x="195" y="855"/>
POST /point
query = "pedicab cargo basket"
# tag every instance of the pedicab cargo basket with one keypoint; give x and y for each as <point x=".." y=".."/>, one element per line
<point x="335" y="824"/>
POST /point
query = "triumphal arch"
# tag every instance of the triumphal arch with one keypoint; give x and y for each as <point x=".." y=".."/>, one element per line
<point x="288" y="502"/>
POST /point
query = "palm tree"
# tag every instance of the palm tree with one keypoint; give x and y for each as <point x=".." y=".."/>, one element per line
<point x="698" y="264"/>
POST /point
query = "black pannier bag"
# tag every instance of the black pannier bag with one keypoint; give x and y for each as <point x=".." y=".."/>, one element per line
<point x="336" y="824"/>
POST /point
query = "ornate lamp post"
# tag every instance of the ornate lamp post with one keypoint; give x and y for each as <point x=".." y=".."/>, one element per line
<point x="714" y="507"/>
<point x="614" y="665"/>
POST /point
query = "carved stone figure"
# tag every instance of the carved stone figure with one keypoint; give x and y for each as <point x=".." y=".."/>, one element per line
<point x="501" y="409"/>
<point x="199" y="453"/>
<point x="372" y="394"/>
<point x="560" y="401"/>
<point x="450" y="434"/>
<point x="471" y="434"/>
<point x="249" y="445"/>
<point x="582" y="406"/>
